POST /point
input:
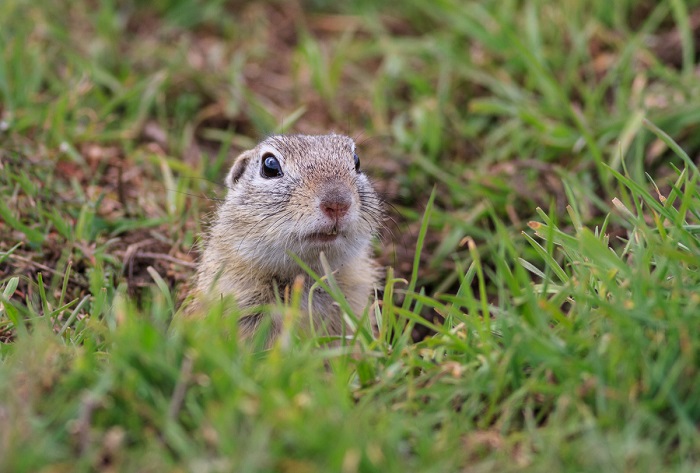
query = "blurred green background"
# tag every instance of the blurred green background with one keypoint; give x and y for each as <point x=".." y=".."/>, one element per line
<point x="572" y="348"/>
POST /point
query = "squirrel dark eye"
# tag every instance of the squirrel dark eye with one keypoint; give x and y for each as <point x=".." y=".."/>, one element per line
<point x="270" y="166"/>
<point x="357" y="162"/>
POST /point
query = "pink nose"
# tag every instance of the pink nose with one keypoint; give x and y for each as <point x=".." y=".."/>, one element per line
<point x="335" y="208"/>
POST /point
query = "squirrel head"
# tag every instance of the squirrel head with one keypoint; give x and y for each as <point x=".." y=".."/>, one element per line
<point x="302" y="195"/>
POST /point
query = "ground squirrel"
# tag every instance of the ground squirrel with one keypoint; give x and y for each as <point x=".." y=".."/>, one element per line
<point x="300" y="194"/>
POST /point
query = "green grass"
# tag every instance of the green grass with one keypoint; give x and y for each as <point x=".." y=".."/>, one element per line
<point x="541" y="161"/>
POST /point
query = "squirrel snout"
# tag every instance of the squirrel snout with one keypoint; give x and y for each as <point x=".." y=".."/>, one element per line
<point x="335" y="203"/>
<point x="335" y="210"/>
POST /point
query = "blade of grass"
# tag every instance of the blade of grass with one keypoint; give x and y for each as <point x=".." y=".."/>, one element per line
<point x="419" y="247"/>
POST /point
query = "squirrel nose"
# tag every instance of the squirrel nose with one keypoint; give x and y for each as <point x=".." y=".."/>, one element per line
<point x="335" y="210"/>
<point x="335" y="204"/>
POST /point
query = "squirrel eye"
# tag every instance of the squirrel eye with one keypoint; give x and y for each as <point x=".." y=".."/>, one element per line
<point x="270" y="166"/>
<point x="357" y="162"/>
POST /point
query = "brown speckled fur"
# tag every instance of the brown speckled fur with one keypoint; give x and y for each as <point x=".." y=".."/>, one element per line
<point x="262" y="220"/>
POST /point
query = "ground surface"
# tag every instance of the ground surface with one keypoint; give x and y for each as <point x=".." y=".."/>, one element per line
<point x="538" y="163"/>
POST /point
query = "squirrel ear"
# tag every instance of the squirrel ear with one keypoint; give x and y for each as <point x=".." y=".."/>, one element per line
<point x="238" y="168"/>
